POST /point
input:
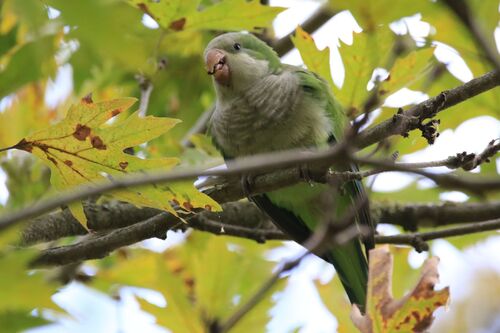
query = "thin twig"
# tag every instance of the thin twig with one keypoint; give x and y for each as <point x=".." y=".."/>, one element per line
<point x="199" y="127"/>
<point x="146" y="89"/>
<point x="418" y="239"/>
<point x="284" y="45"/>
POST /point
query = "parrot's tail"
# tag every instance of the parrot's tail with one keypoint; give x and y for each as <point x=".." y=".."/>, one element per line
<point x="352" y="268"/>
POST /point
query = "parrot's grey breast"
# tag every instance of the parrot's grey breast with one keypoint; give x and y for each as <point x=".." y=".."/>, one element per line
<point x="273" y="114"/>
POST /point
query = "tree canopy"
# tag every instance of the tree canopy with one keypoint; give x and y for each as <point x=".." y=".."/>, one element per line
<point x="104" y="106"/>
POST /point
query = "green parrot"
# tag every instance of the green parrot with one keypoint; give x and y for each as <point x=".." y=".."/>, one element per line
<point x="265" y="106"/>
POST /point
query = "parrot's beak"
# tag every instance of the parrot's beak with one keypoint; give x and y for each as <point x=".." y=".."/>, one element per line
<point x="216" y="65"/>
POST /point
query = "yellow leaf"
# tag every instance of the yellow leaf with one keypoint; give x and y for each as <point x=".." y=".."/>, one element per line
<point x="81" y="150"/>
<point x="180" y="15"/>
<point x="411" y="313"/>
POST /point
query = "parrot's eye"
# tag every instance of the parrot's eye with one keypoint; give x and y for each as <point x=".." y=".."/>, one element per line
<point x="237" y="46"/>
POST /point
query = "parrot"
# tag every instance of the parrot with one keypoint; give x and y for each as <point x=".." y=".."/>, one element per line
<point x="265" y="106"/>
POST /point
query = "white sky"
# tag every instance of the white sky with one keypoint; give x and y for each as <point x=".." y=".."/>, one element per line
<point x="299" y="304"/>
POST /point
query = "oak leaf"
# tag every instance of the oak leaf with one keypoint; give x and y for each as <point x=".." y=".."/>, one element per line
<point x="83" y="150"/>
<point x="411" y="313"/>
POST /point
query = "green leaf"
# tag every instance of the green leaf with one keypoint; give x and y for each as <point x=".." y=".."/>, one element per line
<point x="26" y="290"/>
<point x="360" y="59"/>
<point x="8" y="40"/>
<point x="204" y="280"/>
<point x="17" y="321"/>
<point x="317" y="61"/>
<point x="27" y="113"/>
<point x="371" y="14"/>
<point x="31" y="62"/>
<point x="410" y="193"/>
<point x="80" y="150"/>
<point x="224" y="15"/>
<point x="408" y="69"/>
<point x="333" y="296"/>
<point x="27" y="180"/>
<point x="111" y="29"/>
<point x="30" y="13"/>
<point x="450" y="30"/>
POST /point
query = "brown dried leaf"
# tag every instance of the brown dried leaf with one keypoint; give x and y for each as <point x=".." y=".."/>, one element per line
<point x="411" y="313"/>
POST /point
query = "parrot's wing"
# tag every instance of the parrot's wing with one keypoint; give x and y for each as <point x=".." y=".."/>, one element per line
<point x="320" y="89"/>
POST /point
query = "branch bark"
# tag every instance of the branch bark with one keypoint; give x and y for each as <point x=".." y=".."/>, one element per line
<point x="284" y="45"/>
<point x="418" y="240"/>
<point x="243" y="219"/>
<point x="240" y="219"/>
<point x="409" y="120"/>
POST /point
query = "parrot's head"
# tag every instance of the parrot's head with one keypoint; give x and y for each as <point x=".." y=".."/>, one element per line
<point x="237" y="60"/>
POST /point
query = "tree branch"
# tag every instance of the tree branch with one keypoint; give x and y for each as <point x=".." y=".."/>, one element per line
<point x="99" y="246"/>
<point x="240" y="219"/>
<point x="409" y="120"/>
<point x="262" y="183"/>
<point x="417" y="240"/>
<point x="284" y="45"/>
<point x="244" y="219"/>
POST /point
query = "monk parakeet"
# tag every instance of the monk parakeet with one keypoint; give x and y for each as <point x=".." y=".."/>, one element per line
<point x="264" y="106"/>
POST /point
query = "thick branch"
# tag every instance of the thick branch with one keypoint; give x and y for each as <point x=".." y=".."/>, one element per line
<point x="95" y="247"/>
<point x="409" y="120"/>
<point x="241" y="219"/>
<point x="414" y="216"/>
<point x="244" y="219"/>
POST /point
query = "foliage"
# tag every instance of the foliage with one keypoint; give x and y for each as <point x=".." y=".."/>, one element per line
<point x="194" y="278"/>
<point x="25" y="292"/>
<point x="113" y="53"/>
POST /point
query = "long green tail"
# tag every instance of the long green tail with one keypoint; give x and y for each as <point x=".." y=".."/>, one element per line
<point x="352" y="268"/>
<point x="296" y="210"/>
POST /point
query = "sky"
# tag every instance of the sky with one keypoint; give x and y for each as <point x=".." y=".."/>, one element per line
<point x="94" y="311"/>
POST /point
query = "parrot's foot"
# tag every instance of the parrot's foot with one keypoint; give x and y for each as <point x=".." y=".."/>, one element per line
<point x="247" y="182"/>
